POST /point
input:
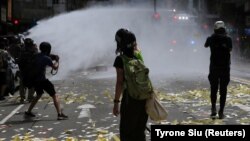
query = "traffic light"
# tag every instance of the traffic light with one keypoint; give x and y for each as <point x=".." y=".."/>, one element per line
<point x="157" y="16"/>
<point x="205" y="26"/>
<point x="15" y="22"/>
<point x="16" y="25"/>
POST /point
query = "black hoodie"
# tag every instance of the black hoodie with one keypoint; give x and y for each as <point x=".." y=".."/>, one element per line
<point x="220" y="46"/>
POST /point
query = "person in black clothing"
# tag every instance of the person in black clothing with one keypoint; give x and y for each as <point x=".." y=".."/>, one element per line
<point x="133" y="114"/>
<point x="41" y="83"/>
<point x="4" y="56"/>
<point x="27" y="52"/>
<point x="219" y="71"/>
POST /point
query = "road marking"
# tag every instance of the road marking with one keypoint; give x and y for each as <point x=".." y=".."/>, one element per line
<point x="244" y="107"/>
<point x="240" y="80"/>
<point x="11" y="114"/>
<point x="85" y="112"/>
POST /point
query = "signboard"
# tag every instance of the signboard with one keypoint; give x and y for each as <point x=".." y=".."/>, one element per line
<point x="3" y="14"/>
<point x="9" y="9"/>
<point x="247" y="6"/>
<point x="49" y="3"/>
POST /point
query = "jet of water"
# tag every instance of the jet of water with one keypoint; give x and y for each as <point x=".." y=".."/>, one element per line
<point x="85" y="38"/>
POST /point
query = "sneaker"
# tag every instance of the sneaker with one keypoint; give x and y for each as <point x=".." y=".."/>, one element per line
<point x="221" y="116"/>
<point x="62" y="117"/>
<point x="213" y="114"/>
<point x="29" y="114"/>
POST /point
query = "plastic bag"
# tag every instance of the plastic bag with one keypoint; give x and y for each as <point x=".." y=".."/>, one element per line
<point x="155" y="109"/>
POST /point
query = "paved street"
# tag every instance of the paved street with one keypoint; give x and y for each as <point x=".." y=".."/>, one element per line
<point x="178" y="39"/>
<point x="87" y="98"/>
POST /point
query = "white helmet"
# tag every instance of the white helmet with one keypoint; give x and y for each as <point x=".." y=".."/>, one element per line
<point x="219" y="24"/>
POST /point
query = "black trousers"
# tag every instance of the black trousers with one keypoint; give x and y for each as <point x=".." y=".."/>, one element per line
<point x="133" y="119"/>
<point x="219" y="79"/>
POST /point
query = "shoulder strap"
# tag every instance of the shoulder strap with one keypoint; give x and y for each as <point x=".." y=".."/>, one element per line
<point x="125" y="58"/>
<point x="138" y="55"/>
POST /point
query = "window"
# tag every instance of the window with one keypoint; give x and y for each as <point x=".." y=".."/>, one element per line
<point x="55" y="1"/>
<point x="59" y="2"/>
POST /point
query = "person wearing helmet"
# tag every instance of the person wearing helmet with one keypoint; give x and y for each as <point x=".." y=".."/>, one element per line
<point x="219" y="70"/>
<point x="133" y="114"/>
<point x="41" y="83"/>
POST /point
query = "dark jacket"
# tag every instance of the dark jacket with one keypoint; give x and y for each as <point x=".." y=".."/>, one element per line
<point x="220" y="46"/>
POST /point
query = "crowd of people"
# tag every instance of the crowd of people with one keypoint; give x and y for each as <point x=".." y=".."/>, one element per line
<point x="132" y="111"/>
<point x="31" y="63"/>
<point x="133" y="115"/>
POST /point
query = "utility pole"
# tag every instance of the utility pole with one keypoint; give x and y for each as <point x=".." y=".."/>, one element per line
<point x="155" y="6"/>
<point x="156" y="14"/>
<point x="9" y="9"/>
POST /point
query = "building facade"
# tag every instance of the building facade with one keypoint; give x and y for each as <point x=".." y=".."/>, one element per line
<point x="5" y="16"/>
<point x="27" y="12"/>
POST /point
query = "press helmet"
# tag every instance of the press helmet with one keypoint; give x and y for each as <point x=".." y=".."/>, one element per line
<point x="219" y="24"/>
<point x="45" y="47"/>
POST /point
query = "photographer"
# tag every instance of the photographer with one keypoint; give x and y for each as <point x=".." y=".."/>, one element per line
<point x="41" y="83"/>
